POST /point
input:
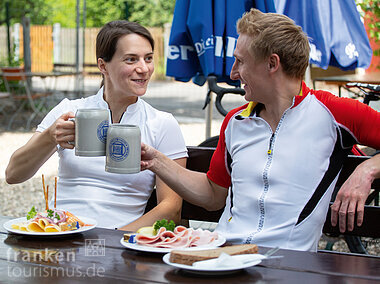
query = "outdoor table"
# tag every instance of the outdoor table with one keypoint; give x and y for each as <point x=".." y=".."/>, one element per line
<point x="98" y="256"/>
<point x="341" y="81"/>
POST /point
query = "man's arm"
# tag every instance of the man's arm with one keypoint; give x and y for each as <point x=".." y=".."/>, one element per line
<point x="168" y="207"/>
<point x="353" y="194"/>
<point x="192" y="186"/>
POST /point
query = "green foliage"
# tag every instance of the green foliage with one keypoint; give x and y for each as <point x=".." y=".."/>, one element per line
<point x="63" y="12"/>
<point x="372" y="6"/>
<point x="5" y="62"/>
<point x="100" y="12"/>
<point x="39" y="11"/>
<point x="150" y="13"/>
<point x="12" y="63"/>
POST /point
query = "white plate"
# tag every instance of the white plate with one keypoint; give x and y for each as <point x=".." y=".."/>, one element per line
<point x="8" y="227"/>
<point x="216" y="243"/>
<point x="208" y="270"/>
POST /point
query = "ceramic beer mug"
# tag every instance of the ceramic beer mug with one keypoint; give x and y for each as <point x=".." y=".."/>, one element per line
<point x="123" y="151"/>
<point x="91" y="127"/>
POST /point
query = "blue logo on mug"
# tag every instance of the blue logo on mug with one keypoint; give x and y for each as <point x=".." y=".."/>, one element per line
<point x="102" y="131"/>
<point x="118" y="149"/>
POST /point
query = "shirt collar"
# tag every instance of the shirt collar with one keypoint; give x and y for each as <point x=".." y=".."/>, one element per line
<point x="103" y="104"/>
<point x="251" y="108"/>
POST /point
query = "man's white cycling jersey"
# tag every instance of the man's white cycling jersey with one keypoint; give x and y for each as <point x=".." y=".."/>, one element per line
<point x="280" y="183"/>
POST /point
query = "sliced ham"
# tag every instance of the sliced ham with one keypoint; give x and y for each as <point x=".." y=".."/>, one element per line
<point x="203" y="237"/>
<point x="182" y="237"/>
<point x="145" y="240"/>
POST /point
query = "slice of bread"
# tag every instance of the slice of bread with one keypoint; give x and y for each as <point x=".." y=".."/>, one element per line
<point x="188" y="257"/>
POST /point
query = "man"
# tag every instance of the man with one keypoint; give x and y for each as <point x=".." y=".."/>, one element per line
<point x="279" y="156"/>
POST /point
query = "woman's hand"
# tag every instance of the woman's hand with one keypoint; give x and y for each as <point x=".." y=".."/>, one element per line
<point x="62" y="131"/>
<point x="26" y="161"/>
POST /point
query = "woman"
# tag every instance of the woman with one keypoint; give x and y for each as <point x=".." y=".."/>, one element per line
<point x="124" y="52"/>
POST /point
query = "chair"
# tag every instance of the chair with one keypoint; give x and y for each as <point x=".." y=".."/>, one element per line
<point x="18" y="87"/>
<point x="7" y="105"/>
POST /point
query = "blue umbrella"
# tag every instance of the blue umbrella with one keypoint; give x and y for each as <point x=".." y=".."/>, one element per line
<point x="203" y="38"/>
<point x="337" y="35"/>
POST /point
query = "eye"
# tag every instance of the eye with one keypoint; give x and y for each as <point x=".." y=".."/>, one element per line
<point x="149" y="58"/>
<point x="130" y="60"/>
<point x="238" y="61"/>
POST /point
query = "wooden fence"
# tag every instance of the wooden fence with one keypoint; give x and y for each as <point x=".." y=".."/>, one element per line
<point x="49" y="47"/>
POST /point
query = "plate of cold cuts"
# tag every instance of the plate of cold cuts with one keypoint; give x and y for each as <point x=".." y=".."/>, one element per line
<point x="181" y="238"/>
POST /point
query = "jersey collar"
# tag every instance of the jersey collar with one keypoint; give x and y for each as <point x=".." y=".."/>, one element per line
<point x="252" y="107"/>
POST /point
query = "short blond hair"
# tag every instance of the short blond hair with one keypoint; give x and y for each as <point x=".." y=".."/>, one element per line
<point x="276" y="33"/>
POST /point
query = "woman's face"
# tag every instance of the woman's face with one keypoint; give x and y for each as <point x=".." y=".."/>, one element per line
<point x="131" y="66"/>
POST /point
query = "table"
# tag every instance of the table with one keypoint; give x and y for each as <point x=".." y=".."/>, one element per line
<point x="72" y="259"/>
<point x="341" y="81"/>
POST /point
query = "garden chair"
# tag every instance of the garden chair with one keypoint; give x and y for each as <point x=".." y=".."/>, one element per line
<point x="17" y="85"/>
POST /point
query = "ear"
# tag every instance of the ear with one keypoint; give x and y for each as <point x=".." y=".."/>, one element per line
<point x="102" y="66"/>
<point x="273" y="62"/>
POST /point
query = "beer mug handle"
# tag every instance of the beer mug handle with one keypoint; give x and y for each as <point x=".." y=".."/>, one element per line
<point x="73" y="120"/>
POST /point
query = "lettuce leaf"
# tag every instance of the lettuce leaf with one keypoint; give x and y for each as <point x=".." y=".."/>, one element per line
<point x="31" y="213"/>
<point x="164" y="223"/>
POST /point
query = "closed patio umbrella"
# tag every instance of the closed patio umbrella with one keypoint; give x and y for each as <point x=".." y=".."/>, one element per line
<point x="203" y="37"/>
<point x="337" y="35"/>
<point x="202" y="40"/>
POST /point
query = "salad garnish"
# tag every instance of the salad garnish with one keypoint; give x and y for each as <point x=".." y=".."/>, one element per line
<point x="164" y="223"/>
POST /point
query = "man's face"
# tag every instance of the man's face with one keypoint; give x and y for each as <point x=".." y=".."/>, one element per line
<point x="251" y="72"/>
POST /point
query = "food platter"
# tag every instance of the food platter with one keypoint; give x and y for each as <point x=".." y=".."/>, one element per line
<point x="8" y="226"/>
<point x="216" y="243"/>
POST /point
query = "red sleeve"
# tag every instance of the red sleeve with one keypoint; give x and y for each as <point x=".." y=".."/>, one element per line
<point x="218" y="171"/>
<point x="360" y="119"/>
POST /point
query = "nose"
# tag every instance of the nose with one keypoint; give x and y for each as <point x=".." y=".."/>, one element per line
<point x="234" y="72"/>
<point x="142" y="66"/>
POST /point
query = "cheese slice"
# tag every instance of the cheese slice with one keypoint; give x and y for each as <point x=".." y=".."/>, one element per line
<point x="34" y="227"/>
<point x="52" y="228"/>
<point x="19" y="226"/>
<point x="43" y="223"/>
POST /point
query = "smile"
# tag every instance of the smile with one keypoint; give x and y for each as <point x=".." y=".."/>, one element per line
<point x="139" y="80"/>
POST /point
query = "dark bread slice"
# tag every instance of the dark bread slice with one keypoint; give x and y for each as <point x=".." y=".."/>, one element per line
<point x="188" y="257"/>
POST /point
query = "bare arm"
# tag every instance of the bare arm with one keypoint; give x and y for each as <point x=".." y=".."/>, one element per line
<point x="192" y="186"/>
<point x="168" y="207"/>
<point x="26" y="161"/>
<point x="353" y="194"/>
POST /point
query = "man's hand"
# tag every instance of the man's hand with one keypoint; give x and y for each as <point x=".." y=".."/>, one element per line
<point x="148" y="157"/>
<point x="353" y="194"/>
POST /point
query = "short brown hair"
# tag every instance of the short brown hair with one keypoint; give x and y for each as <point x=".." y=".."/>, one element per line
<point x="111" y="32"/>
<point x="276" y="33"/>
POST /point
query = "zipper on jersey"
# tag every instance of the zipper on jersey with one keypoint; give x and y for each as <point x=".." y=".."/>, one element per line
<point x="271" y="144"/>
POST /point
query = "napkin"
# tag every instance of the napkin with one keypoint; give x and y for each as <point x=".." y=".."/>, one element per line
<point x="229" y="261"/>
